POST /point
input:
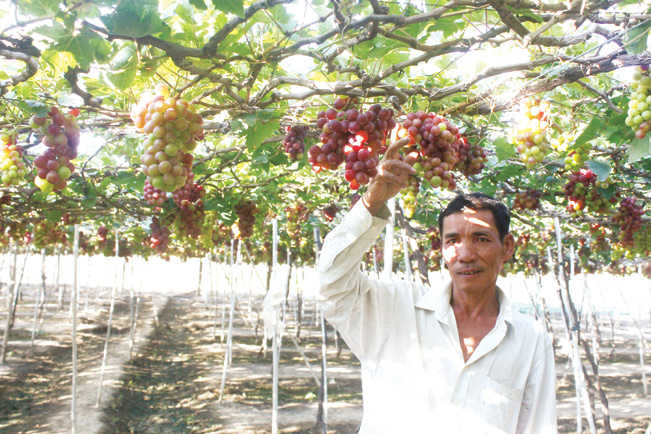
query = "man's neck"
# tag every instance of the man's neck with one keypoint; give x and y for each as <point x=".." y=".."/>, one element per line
<point x="472" y="305"/>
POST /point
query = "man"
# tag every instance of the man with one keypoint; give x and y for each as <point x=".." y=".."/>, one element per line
<point x="447" y="360"/>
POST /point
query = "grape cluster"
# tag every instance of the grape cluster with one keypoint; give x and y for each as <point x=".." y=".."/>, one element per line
<point x="46" y="233"/>
<point x="154" y="196"/>
<point x="330" y="212"/>
<point x="294" y="141"/>
<point x="354" y="136"/>
<point x="246" y="211"/>
<point x="629" y="219"/>
<point x="434" y="147"/>
<point x="191" y="193"/>
<point x="472" y="158"/>
<point x="296" y="214"/>
<point x="12" y="168"/>
<point x="530" y="138"/>
<point x="408" y="196"/>
<point x="576" y="158"/>
<point x="642" y="239"/>
<point x="582" y="191"/>
<point x="160" y="236"/>
<point x="639" y="106"/>
<point x="527" y="200"/>
<point x="172" y="126"/>
<point x="102" y="233"/>
<point x="434" y="252"/>
<point x="60" y="134"/>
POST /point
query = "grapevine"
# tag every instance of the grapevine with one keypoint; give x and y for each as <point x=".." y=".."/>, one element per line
<point x="434" y="148"/>
<point x="530" y="138"/>
<point x="12" y="168"/>
<point x="246" y="211"/>
<point x="639" y="106"/>
<point x="172" y="126"/>
<point x="472" y="158"/>
<point x="60" y="134"/>
<point x="629" y="219"/>
<point x="294" y="141"/>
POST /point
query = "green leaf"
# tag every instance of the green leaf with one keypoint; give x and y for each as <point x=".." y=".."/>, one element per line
<point x="503" y="149"/>
<point x="199" y="4"/>
<point x="639" y="148"/>
<point x="637" y="38"/>
<point x="601" y="168"/>
<point x="230" y="6"/>
<point x="259" y="132"/>
<point x="589" y="133"/>
<point x="135" y="18"/>
<point x="124" y="66"/>
<point x="70" y="100"/>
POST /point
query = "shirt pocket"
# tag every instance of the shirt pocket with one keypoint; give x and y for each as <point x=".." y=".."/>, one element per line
<point x="499" y="404"/>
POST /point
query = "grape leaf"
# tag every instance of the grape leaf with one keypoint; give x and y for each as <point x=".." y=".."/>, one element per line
<point x="639" y="148"/>
<point x="230" y="6"/>
<point x="601" y="168"/>
<point x="503" y="149"/>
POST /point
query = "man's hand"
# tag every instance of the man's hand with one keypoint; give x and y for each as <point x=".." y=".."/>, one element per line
<point x="393" y="176"/>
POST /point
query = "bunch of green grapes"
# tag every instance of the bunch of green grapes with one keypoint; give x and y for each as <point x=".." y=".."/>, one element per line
<point x="530" y="135"/>
<point x="12" y="168"/>
<point x="172" y="126"/>
<point x="577" y="157"/>
<point x="639" y="106"/>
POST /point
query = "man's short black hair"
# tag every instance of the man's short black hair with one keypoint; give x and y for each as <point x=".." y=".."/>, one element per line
<point x="478" y="201"/>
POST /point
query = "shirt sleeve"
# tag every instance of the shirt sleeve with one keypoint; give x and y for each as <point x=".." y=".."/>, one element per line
<point x="538" y="411"/>
<point x="359" y="307"/>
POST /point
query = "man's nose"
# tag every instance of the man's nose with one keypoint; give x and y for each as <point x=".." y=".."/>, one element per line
<point x="465" y="252"/>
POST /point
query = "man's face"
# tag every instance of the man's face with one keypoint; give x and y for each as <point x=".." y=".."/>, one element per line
<point x="473" y="251"/>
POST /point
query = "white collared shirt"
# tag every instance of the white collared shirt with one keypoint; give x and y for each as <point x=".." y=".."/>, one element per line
<point x="413" y="374"/>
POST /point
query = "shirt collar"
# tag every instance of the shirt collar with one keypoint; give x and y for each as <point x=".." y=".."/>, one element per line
<point x="439" y="303"/>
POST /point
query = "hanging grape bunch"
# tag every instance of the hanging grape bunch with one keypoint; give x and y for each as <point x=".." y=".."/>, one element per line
<point x="577" y="157"/>
<point x="160" y="236"/>
<point x="639" y="106"/>
<point x="472" y="158"/>
<point x="629" y="219"/>
<point x="12" y="168"/>
<point x="434" y="148"/>
<point x="189" y="199"/>
<point x="246" y="211"/>
<point x="530" y="137"/>
<point x="355" y="136"/>
<point x="408" y="196"/>
<point x="584" y="190"/>
<point x="172" y="126"/>
<point x="60" y="134"/>
<point x="297" y="215"/>
<point x="153" y="196"/>
<point x="330" y="212"/>
<point x="46" y="233"/>
<point x="642" y="239"/>
<point x="294" y="141"/>
<point x="527" y="200"/>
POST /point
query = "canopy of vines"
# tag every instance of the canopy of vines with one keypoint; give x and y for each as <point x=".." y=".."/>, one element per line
<point x="183" y="123"/>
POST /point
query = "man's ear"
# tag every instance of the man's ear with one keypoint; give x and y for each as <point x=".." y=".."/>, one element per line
<point x="509" y="246"/>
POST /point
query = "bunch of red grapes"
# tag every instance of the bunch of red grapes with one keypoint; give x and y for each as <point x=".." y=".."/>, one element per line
<point x="12" y="168"/>
<point x="330" y="212"/>
<point x="191" y="193"/>
<point x="629" y="219"/>
<point x="154" y="196"/>
<point x="60" y="134"/>
<point x="172" y="126"/>
<point x="434" y="147"/>
<point x="246" y="211"/>
<point x="160" y="236"/>
<point x="46" y="233"/>
<point x="354" y="136"/>
<point x="527" y="200"/>
<point x="102" y="233"/>
<point x="581" y="192"/>
<point x="297" y="215"/>
<point x="294" y="141"/>
<point x="472" y="158"/>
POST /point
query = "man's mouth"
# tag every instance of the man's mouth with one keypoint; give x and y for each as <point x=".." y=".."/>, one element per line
<point x="468" y="272"/>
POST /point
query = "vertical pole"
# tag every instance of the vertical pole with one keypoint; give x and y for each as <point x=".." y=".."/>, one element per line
<point x="388" y="242"/>
<point x="405" y="249"/>
<point x="38" y="296"/>
<point x="274" y="343"/>
<point x="75" y="291"/>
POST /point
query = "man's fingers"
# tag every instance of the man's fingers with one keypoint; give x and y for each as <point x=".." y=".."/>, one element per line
<point x="392" y="151"/>
<point x="398" y="165"/>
